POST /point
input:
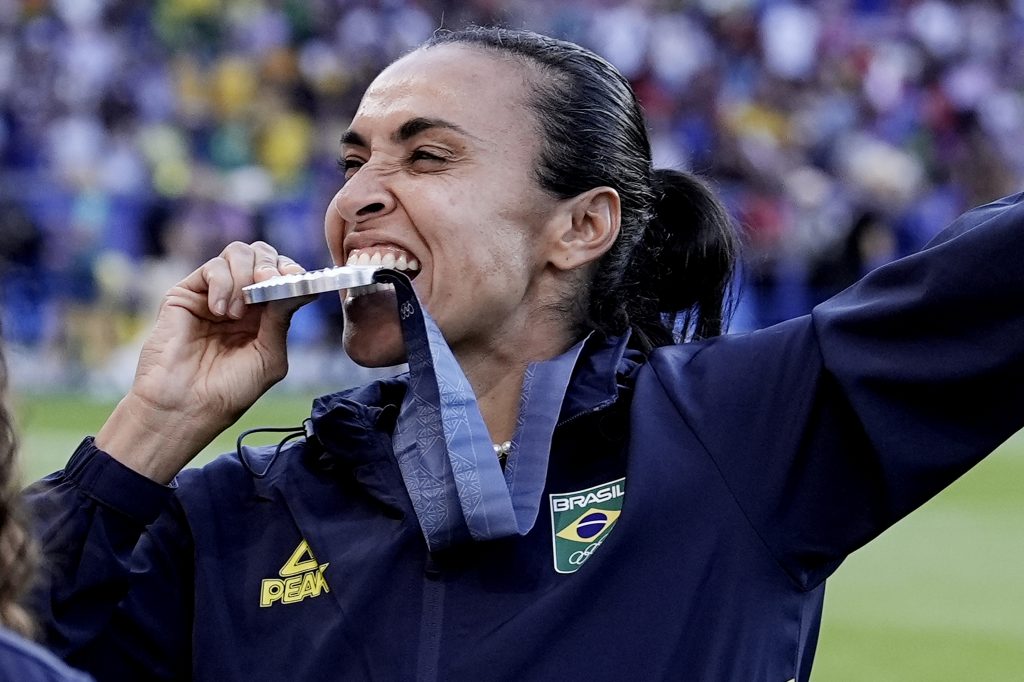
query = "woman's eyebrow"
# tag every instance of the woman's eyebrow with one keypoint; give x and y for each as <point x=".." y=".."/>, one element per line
<point x="407" y="131"/>
<point x="415" y="126"/>
<point x="353" y="139"/>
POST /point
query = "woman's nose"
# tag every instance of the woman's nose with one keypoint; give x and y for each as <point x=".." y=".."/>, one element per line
<point x="363" y="196"/>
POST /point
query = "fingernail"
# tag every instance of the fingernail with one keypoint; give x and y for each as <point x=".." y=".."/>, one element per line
<point x="237" y="308"/>
<point x="220" y="307"/>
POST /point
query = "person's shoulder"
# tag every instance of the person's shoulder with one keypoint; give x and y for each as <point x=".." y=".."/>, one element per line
<point x="733" y="357"/>
<point x="25" y="661"/>
<point x="669" y="360"/>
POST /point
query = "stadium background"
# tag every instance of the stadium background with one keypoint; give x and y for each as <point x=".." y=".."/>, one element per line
<point x="136" y="139"/>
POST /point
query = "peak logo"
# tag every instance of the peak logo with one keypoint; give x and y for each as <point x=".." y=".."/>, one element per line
<point x="301" y="577"/>
<point x="581" y="520"/>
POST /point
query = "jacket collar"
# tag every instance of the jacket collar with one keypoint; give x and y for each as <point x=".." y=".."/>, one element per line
<point x="352" y="439"/>
<point x="347" y="421"/>
<point x="605" y="366"/>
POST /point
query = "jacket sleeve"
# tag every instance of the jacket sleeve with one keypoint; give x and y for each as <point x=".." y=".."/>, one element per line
<point x="116" y="597"/>
<point x="26" y="661"/>
<point x="831" y="427"/>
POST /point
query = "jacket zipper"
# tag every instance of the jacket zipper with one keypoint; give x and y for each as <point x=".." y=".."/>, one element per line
<point x="432" y="620"/>
<point x="429" y="654"/>
<point x="584" y="413"/>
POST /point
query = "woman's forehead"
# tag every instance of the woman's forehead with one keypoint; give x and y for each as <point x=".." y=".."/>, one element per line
<point x="449" y="80"/>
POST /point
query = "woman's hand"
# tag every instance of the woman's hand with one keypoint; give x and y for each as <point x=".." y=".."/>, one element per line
<point x="207" y="360"/>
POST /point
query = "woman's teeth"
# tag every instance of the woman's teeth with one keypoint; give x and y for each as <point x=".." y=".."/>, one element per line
<point x="356" y="292"/>
<point x="387" y="260"/>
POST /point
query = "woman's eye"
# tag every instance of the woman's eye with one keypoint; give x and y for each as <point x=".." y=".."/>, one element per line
<point x="349" y="165"/>
<point x="427" y="156"/>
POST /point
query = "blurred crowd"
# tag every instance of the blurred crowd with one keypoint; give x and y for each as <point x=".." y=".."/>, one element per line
<point x="137" y="139"/>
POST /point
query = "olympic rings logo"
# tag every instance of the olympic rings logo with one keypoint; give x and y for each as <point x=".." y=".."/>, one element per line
<point x="577" y="558"/>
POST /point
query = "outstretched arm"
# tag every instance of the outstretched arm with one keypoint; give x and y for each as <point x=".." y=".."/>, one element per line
<point x="831" y="427"/>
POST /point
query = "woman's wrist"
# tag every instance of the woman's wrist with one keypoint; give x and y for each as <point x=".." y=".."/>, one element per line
<point x="156" y="443"/>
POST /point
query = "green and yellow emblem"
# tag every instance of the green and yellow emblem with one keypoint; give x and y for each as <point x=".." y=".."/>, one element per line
<point x="581" y="520"/>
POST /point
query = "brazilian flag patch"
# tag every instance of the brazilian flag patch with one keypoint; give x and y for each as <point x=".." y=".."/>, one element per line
<point x="581" y="520"/>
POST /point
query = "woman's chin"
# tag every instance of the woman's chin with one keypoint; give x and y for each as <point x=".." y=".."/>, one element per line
<point x="374" y="357"/>
<point x="373" y="339"/>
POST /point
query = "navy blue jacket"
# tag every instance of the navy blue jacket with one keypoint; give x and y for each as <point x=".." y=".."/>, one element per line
<point x="23" y="661"/>
<point x="752" y="465"/>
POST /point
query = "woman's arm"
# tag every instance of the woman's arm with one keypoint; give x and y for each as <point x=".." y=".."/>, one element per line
<point x="831" y="427"/>
<point x="118" y="601"/>
<point x="115" y="597"/>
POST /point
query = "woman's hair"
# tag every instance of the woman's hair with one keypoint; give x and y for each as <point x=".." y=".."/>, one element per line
<point x="17" y="550"/>
<point x="667" y="276"/>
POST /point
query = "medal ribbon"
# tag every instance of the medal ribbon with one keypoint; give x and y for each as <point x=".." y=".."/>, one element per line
<point x="443" y="448"/>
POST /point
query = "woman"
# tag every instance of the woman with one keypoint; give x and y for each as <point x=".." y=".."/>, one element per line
<point x="665" y="510"/>
<point x="20" y="659"/>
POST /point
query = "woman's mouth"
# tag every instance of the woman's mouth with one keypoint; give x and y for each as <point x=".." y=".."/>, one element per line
<point x="387" y="257"/>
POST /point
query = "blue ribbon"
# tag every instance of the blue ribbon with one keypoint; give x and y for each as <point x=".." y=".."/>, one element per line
<point x="443" y="448"/>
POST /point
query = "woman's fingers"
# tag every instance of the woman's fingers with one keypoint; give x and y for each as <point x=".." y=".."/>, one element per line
<point x="265" y="259"/>
<point x="286" y="266"/>
<point x="215" y="277"/>
<point x="238" y="265"/>
<point x="281" y="311"/>
<point x="244" y="262"/>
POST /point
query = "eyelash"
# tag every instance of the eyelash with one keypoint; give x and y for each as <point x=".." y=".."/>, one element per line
<point x="351" y="164"/>
<point x="422" y="155"/>
<point x="345" y="165"/>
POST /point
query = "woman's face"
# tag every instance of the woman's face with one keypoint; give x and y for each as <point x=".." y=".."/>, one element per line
<point x="440" y="161"/>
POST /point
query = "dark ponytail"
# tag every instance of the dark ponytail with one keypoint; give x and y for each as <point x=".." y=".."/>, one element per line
<point x="666" y="277"/>
<point x="685" y="260"/>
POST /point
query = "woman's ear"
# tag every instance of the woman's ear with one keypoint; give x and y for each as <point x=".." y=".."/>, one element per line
<point x="588" y="228"/>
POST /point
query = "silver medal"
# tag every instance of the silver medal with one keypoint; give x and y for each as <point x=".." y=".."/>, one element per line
<point x="307" y="283"/>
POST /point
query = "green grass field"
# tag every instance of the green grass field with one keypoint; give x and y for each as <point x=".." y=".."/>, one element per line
<point x="939" y="597"/>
